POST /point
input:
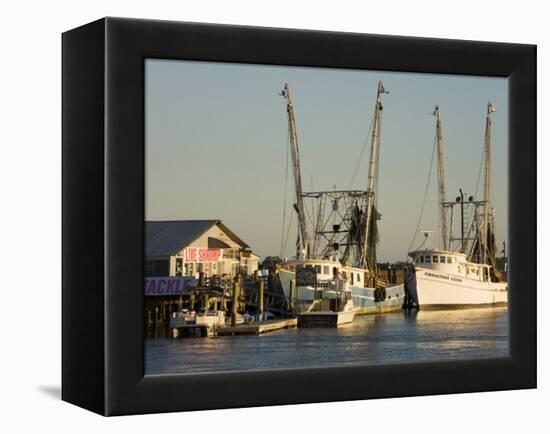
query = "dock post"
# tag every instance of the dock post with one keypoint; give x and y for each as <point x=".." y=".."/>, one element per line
<point x="261" y="299"/>
<point x="235" y="302"/>
<point x="291" y="295"/>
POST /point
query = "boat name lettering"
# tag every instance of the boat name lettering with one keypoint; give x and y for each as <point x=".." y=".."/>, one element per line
<point x="442" y="276"/>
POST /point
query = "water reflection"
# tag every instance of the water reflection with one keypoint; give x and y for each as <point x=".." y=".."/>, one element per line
<point x="388" y="338"/>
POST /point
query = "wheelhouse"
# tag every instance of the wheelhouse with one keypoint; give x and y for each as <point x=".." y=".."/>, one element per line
<point x="452" y="263"/>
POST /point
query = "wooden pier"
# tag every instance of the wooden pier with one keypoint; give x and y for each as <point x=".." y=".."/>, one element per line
<point x="258" y="328"/>
<point x="254" y="328"/>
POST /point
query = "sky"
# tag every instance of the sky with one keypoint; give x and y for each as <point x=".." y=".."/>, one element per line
<point x="217" y="145"/>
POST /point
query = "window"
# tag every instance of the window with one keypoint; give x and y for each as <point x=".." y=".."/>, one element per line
<point x="326" y="269"/>
<point x="421" y="259"/>
<point x="428" y="259"/>
<point x="359" y="277"/>
<point x="435" y="259"/>
<point x="318" y="268"/>
<point x="442" y="259"/>
<point x="449" y="260"/>
<point x="351" y="278"/>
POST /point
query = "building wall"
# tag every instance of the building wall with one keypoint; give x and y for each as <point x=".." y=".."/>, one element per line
<point x="229" y="261"/>
<point x="228" y="264"/>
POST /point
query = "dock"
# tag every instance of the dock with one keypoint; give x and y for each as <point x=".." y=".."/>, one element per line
<point x="254" y="328"/>
<point x="258" y="328"/>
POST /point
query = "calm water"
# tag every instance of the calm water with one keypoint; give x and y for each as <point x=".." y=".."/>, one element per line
<point x="388" y="338"/>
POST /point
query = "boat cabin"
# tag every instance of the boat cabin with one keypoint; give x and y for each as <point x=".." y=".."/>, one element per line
<point x="453" y="263"/>
<point x="325" y="270"/>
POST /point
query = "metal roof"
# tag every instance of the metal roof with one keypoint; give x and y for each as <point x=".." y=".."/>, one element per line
<point x="167" y="238"/>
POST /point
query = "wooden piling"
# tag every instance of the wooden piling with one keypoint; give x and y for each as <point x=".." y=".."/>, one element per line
<point x="291" y="295"/>
<point x="261" y="298"/>
<point x="235" y="302"/>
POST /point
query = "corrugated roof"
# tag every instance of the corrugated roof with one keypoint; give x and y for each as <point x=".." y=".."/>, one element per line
<point x="167" y="238"/>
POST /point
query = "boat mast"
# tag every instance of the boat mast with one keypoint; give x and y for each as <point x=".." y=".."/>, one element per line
<point x="374" y="147"/>
<point x="441" y="176"/>
<point x="486" y="183"/>
<point x="299" y="205"/>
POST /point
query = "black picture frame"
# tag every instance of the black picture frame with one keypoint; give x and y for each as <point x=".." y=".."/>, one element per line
<point x="103" y="215"/>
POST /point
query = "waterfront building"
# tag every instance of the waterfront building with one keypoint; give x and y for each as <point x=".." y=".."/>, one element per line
<point x="189" y="247"/>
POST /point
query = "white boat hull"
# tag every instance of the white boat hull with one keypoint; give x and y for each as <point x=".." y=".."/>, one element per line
<point x="363" y="298"/>
<point x="325" y="318"/>
<point x="438" y="289"/>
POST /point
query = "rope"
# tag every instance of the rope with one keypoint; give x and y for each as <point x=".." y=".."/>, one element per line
<point x="425" y="196"/>
<point x="365" y="144"/>
<point x="287" y="234"/>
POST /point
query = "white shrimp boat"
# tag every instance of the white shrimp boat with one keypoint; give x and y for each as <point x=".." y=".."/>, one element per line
<point x="447" y="279"/>
<point x="338" y="250"/>
<point x="462" y="273"/>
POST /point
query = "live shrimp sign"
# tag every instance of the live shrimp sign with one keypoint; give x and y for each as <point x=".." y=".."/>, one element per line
<point x="168" y="285"/>
<point x="195" y="254"/>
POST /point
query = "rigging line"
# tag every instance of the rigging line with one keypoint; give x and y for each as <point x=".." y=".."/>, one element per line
<point x="309" y="214"/>
<point x="290" y="221"/>
<point x="365" y="144"/>
<point x="377" y="160"/>
<point x="479" y="171"/>
<point x="310" y="208"/>
<point x="286" y="191"/>
<point x="425" y="196"/>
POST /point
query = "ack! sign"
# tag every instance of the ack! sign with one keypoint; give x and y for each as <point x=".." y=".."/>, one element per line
<point x="155" y="286"/>
<point x="196" y="254"/>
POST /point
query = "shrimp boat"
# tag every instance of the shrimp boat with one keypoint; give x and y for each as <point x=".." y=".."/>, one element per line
<point x="462" y="272"/>
<point x="335" y="269"/>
